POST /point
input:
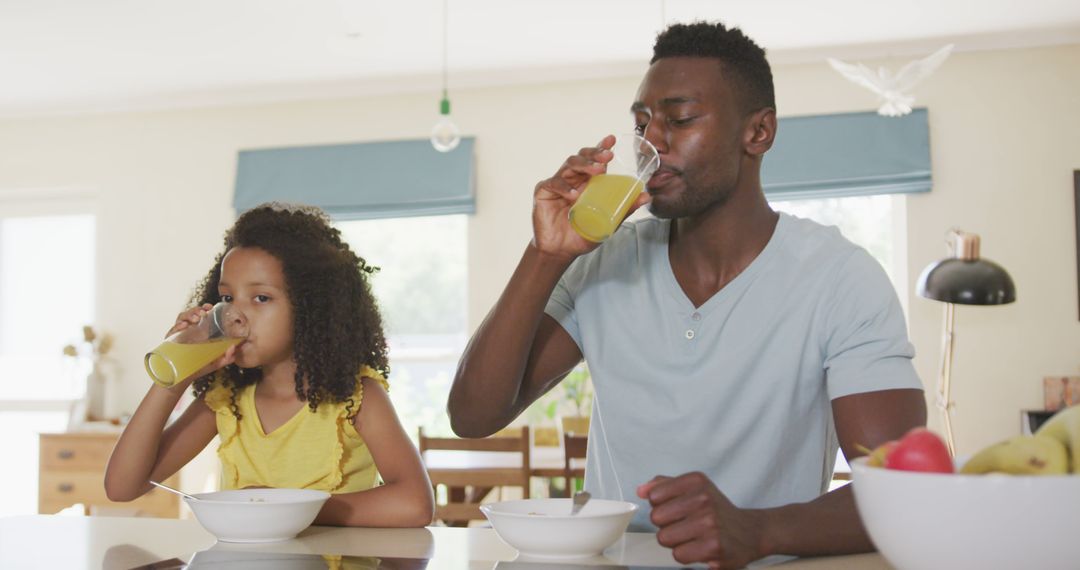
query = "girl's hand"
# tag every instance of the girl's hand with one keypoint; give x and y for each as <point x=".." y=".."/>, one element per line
<point x="226" y="359"/>
<point x="189" y="318"/>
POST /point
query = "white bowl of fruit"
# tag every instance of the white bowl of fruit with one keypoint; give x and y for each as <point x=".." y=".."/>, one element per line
<point x="1015" y="504"/>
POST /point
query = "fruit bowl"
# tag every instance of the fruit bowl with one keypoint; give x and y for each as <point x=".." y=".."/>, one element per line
<point x="257" y="515"/>
<point x="544" y="528"/>
<point x="931" y="520"/>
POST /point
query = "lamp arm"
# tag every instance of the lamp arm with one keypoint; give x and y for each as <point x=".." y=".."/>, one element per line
<point x="944" y="402"/>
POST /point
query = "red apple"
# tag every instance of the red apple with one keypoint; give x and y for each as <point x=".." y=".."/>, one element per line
<point x="920" y="450"/>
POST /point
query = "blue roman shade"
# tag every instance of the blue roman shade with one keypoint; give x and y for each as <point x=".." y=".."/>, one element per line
<point x="850" y="154"/>
<point x="361" y="180"/>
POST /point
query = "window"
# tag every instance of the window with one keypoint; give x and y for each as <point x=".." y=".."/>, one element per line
<point x="46" y="296"/>
<point x="47" y="275"/>
<point x="420" y="288"/>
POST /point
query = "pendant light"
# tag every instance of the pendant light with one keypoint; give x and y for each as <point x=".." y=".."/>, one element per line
<point x="445" y="135"/>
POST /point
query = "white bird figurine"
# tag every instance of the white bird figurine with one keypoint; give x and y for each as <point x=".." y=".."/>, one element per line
<point x="893" y="90"/>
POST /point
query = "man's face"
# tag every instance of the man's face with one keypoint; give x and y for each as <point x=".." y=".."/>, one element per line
<point x="687" y="108"/>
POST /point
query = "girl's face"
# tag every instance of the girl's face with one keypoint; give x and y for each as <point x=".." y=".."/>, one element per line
<point x="254" y="281"/>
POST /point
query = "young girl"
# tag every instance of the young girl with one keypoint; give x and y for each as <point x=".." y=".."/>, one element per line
<point x="302" y="402"/>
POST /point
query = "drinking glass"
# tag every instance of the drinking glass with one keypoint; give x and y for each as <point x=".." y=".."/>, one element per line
<point x="189" y="350"/>
<point x="608" y="196"/>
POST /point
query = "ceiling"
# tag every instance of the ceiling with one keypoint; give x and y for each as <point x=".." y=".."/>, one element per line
<point x="70" y="56"/>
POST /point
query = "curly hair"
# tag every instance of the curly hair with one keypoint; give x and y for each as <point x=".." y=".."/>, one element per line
<point x="750" y="71"/>
<point x="337" y="327"/>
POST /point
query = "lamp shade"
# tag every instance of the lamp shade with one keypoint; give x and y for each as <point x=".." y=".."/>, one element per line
<point x="966" y="278"/>
<point x="967" y="282"/>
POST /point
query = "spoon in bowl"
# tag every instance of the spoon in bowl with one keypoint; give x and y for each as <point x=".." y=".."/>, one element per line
<point x="579" y="501"/>
<point x="171" y="490"/>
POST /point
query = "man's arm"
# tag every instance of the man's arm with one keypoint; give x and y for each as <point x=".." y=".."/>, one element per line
<point x="700" y="524"/>
<point x="830" y="524"/>
<point x="516" y="354"/>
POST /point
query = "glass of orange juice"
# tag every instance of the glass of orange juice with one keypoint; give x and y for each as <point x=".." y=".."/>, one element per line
<point x="607" y="197"/>
<point x="189" y="350"/>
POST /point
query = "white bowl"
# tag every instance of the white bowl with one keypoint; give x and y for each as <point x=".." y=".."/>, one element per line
<point x="930" y="520"/>
<point x="257" y="515"/>
<point x="543" y="528"/>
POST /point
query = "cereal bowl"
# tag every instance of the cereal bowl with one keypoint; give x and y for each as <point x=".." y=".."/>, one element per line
<point x="257" y="515"/>
<point x="544" y="528"/>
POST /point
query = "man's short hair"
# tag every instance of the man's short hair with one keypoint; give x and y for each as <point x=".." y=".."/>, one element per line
<point x="739" y="55"/>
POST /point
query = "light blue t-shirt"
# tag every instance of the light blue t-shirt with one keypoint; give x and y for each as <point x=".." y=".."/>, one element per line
<point x="740" y="387"/>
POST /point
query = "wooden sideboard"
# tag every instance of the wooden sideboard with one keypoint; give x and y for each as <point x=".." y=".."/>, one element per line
<point x="72" y="470"/>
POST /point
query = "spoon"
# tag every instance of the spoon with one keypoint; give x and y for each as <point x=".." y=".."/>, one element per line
<point x="579" y="501"/>
<point x="185" y="495"/>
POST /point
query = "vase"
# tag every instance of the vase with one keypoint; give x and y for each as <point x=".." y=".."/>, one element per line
<point x="95" y="395"/>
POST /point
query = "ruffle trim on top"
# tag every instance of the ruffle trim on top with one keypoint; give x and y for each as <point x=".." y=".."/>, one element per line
<point x="345" y="425"/>
<point x="369" y="372"/>
<point x="219" y="399"/>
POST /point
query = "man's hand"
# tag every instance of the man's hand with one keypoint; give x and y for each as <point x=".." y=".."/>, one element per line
<point x="553" y="197"/>
<point x="700" y="524"/>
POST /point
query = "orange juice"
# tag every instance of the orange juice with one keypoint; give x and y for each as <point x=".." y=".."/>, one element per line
<point x="603" y="205"/>
<point x="172" y="362"/>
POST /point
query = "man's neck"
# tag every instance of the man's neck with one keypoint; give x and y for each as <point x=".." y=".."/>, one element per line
<point x="709" y="250"/>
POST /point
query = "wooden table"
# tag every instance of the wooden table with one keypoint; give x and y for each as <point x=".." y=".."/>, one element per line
<point x="544" y="461"/>
<point x="116" y="543"/>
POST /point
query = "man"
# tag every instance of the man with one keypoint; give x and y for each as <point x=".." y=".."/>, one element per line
<point x="732" y="348"/>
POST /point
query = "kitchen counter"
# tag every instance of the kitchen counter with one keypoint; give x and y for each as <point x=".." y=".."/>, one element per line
<point x="114" y="543"/>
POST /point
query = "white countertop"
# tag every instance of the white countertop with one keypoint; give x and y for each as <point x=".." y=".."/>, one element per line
<point x="115" y="543"/>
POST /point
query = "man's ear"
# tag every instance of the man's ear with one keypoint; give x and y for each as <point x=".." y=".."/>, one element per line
<point x="760" y="131"/>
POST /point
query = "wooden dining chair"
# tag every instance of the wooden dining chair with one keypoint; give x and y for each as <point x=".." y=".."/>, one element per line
<point x="503" y="463"/>
<point x="575" y="446"/>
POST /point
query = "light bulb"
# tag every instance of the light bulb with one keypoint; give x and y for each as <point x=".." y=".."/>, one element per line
<point x="445" y="135"/>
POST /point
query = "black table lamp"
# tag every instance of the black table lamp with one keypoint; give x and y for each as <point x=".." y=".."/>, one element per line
<point x="962" y="279"/>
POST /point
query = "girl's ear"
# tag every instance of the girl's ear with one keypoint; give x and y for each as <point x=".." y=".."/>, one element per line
<point x="760" y="132"/>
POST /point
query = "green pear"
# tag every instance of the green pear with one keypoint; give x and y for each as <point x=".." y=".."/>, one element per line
<point x="1021" y="455"/>
<point x="1064" y="426"/>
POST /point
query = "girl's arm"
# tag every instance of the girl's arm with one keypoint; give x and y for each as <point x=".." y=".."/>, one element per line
<point x="406" y="499"/>
<point x="144" y="452"/>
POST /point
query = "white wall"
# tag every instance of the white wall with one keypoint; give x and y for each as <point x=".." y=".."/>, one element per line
<point x="1005" y="134"/>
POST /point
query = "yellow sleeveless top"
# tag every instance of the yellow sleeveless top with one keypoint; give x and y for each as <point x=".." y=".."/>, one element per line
<point x="313" y="450"/>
